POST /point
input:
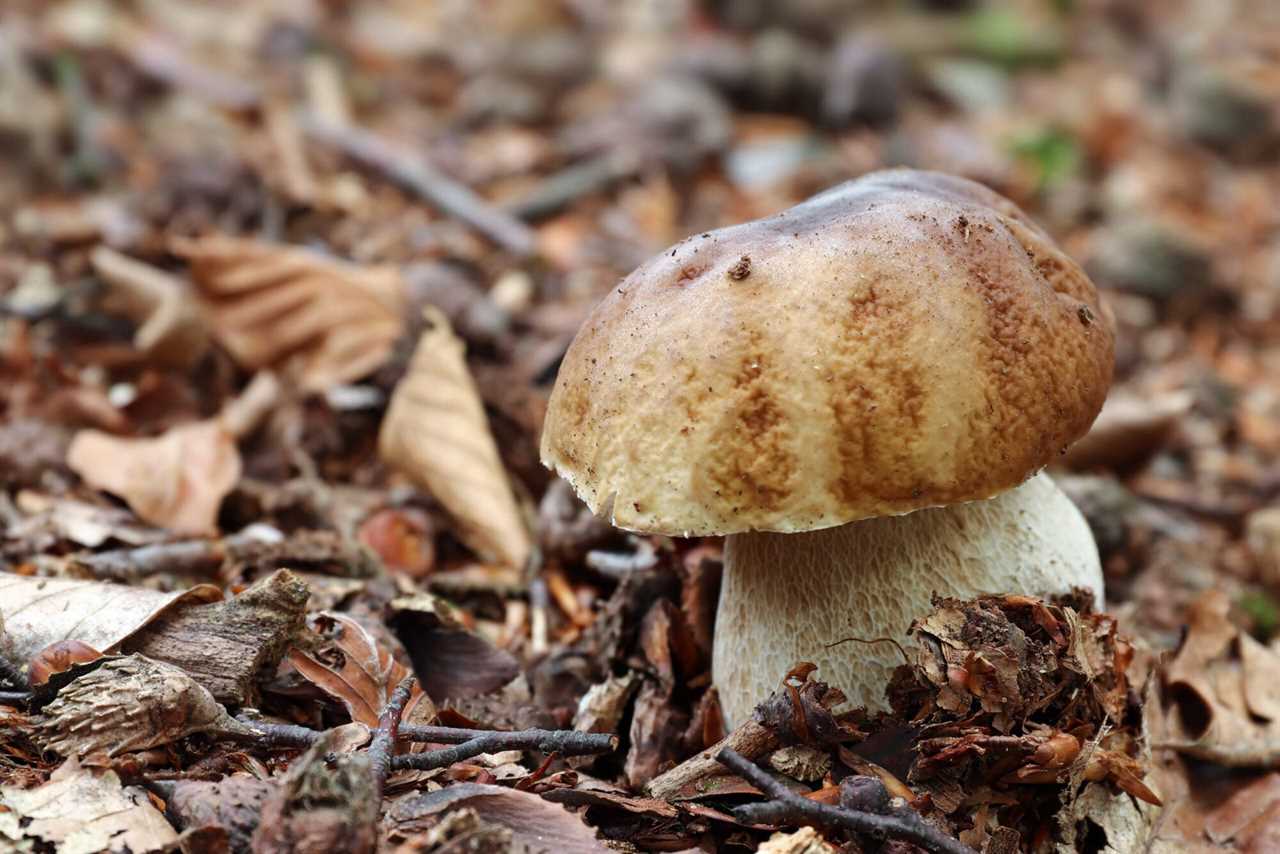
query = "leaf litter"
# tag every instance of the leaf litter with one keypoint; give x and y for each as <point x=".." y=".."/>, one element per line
<point x="281" y="302"/>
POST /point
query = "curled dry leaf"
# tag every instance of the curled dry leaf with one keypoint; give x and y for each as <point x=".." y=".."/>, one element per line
<point x="321" y="321"/>
<point x="176" y="480"/>
<point x="534" y="822"/>
<point x="357" y="671"/>
<point x="81" y="812"/>
<point x="125" y="704"/>
<point x="39" y="612"/>
<point x="171" y="329"/>
<point x="436" y="432"/>
<point x="1222" y="691"/>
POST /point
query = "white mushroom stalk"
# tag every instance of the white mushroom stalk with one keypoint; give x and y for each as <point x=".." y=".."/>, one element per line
<point x="787" y="597"/>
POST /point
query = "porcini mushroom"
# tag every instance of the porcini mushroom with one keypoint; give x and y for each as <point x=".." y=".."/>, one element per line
<point x="860" y="392"/>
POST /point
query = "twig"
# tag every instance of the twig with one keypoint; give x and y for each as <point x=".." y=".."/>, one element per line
<point x="384" y="739"/>
<point x="423" y="179"/>
<point x="564" y="742"/>
<point x="17" y="698"/>
<point x="786" y="807"/>
<point x="562" y="188"/>
<point x="187" y="557"/>
<point x="270" y="735"/>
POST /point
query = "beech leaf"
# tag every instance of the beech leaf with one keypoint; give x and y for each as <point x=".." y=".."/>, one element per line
<point x="321" y="321"/>
<point x="534" y="822"/>
<point x="39" y="612"/>
<point x="435" y="431"/>
<point x="176" y="480"/>
<point x="357" y="671"/>
<point x="78" y="812"/>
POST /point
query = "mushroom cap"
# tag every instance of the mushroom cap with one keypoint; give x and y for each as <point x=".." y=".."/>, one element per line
<point x="905" y="340"/>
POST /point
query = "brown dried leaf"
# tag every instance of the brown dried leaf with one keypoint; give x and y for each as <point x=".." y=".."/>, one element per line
<point x="176" y="480"/>
<point x="1129" y="429"/>
<point x="804" y="841"/>
<point x="171" y="329"/>
<point x="435" y="431"/>
<point x="126" y="704"/>
<point x="1220" y="691"/>
<point x="534" y="822"/>
<point x="80" y="812"/>
<point x="452" y="661"/>
<point x="39" y="612"/>
<point x="323" y="322"/>
<point x="356" y="670"/>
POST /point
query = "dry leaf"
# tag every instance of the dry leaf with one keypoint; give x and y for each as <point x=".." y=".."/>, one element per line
<point x="39" y="612"/>
<point x="804" y="841"/>
<point x="357" y="671"/>
<point x="171" y="328"/>
<point x="451" y="660"/>
<point x="176" y="480"/>
<point x="125" y="704"/>
<point x="1222" y="691"/>
<point x="323" y="322"/>
<point x="436" y="432"/>
<point x="80" y="812"/>
<point x="1128" y="429"/>
<point x="534" y="822"/>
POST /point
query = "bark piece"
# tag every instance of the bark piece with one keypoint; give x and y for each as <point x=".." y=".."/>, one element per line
<point x="226" y="646"/>
<point x="752" y="740"/>
<point x="233" y="804"/>
<point x="325" y="803"/>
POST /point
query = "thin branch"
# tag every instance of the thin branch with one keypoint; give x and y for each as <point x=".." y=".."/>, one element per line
<point x="417" y="175"/>
<point x="194" y="557"/>
<point x="17" y="698"/>
<point x="786" y="807"/>
<point x="384" y="739"/>
<point x="564" y="742"/>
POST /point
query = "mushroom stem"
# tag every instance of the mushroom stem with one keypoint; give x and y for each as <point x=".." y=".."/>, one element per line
<point x="786" y="597"/>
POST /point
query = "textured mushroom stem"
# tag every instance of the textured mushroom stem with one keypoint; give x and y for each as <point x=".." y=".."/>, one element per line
<point x="786" y="596"/>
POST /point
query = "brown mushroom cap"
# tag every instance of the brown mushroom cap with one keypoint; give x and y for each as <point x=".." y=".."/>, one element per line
<point x="905" y="340"/>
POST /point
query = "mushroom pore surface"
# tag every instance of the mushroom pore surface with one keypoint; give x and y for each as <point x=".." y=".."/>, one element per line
<point x="786" y="596"/>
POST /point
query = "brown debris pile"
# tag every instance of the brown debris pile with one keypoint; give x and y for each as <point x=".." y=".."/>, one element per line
<point x="1014" y="706"/>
